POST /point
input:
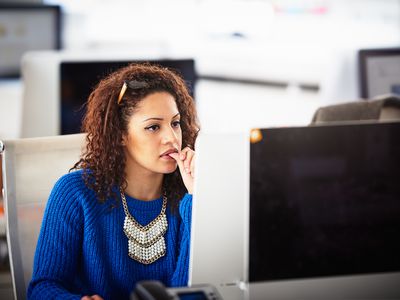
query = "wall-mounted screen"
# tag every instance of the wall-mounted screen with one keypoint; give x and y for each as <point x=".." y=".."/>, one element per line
<point x="379" y="72"/>
<point x="26" y="27"/>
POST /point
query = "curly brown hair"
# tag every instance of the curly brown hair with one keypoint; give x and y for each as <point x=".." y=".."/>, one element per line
<point x="106" y="122"/>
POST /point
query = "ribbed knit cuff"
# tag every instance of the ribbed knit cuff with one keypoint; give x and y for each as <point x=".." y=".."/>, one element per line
<point x="185" y="209"/>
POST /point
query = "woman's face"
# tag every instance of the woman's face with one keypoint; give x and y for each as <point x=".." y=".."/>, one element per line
<point x="153" y="132"/>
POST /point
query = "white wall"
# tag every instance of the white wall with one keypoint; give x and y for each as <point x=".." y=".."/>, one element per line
<point x="307" y="42"/>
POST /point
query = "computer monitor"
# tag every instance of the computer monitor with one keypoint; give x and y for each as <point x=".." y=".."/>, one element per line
<point x="379" y="72"/>
<point x="58" y="83"/>
<point x="26" y="27"/>
<point x="305" y="213"/>
<point x="78" y="78"/>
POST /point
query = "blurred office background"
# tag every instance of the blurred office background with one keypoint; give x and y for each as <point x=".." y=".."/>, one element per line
<point x="274" y="61"/>
<point x="258" y="62"/>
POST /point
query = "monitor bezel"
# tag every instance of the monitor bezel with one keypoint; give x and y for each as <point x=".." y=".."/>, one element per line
<point x="312" y="131"/>
<point x="363" y="56"/>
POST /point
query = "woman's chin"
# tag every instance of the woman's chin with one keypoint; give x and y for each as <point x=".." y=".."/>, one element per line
<point x="170" y="169"/>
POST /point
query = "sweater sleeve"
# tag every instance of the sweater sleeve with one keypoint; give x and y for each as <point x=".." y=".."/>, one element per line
<point x="181" y="273"/>
<point x="58" y="247"/>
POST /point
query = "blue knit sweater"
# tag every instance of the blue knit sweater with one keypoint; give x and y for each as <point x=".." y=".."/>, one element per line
<point x="82" y="249"/>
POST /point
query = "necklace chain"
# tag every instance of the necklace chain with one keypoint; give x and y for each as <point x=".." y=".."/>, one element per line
<point x="146" y="244"/>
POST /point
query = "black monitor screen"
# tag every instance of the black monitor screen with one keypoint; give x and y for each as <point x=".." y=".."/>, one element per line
<point x="325" y="201"/>
<point x="79" y="78"/>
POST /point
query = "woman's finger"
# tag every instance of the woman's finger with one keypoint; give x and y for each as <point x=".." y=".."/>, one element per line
<point x="186" y="177"/>
<point x="192" y="165"/>
<point x="188" y="161"/>
<point x="178" y="160"/>
<point x="187" y="156"/>
<point x="94" y="297"/>
<point x="182" y="155"/>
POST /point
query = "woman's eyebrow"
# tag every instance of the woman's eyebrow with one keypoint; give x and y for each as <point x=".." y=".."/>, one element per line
<point x="159" y="118"/>
<point x="175" y="115"/>
<point x="153" y="118"/>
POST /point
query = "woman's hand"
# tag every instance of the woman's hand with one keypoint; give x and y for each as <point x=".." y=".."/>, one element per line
<point x="185" y="160"/>
<point x="93" y="297"/>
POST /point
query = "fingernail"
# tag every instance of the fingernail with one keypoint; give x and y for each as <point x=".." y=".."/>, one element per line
<point x="182" y="156"/>
<point x="187" y="170"/>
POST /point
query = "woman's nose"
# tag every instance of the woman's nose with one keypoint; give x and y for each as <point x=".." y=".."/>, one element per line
<point x="170" y="136"/>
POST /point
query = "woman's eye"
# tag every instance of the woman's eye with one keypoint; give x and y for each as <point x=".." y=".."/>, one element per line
<point x="152" y="127"/>
<point x="176" y="123"/>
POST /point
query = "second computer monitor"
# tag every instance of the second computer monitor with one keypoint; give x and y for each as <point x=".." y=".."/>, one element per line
<point x="304" y="213"/>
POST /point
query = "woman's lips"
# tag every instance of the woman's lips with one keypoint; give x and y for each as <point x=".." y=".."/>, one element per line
<point x="166" y="155"/>
<point x="169" y="151"/>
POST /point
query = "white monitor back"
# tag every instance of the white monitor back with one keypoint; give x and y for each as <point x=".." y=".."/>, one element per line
<point x="219" y="240"/>
<point x="220" y="234"/>
<point x="40" y="108"/>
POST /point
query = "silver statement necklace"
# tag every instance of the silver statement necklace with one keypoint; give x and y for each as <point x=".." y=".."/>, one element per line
<point x="146" y="244"/>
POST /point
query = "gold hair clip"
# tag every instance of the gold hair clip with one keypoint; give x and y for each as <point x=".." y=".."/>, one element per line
<point x="122" y="92"/>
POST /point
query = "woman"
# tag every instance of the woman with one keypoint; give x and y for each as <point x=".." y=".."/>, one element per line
<point x="124" y="215"/>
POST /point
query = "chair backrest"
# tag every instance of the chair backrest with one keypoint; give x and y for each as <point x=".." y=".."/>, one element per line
<point x="382" y="108"/>
<point x="30" y="169"/>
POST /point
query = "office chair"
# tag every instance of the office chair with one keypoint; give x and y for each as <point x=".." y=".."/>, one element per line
<point x="30" y="169"/>
<point x="382" y="108"/>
